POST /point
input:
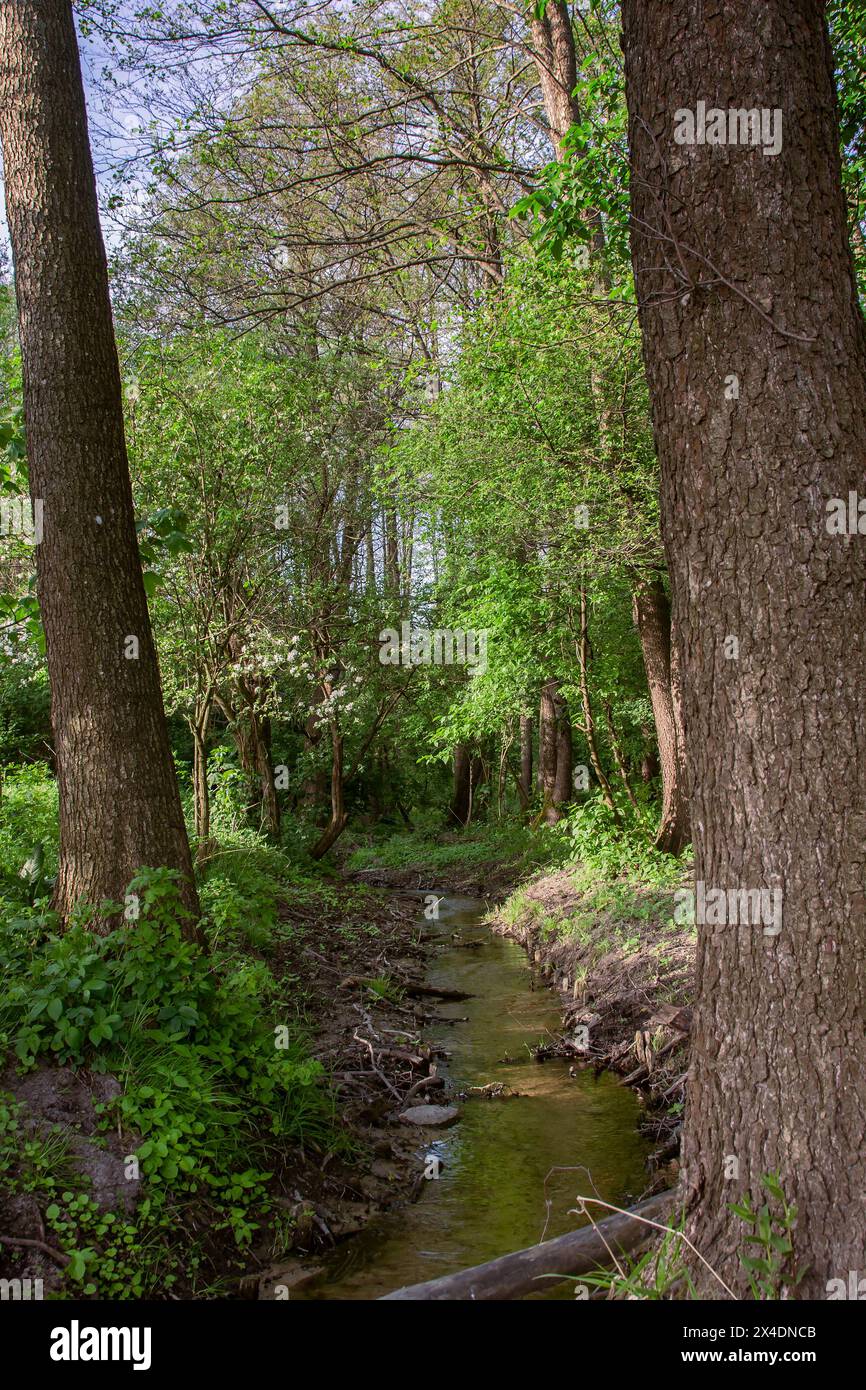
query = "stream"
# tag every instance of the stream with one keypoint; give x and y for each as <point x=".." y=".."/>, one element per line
<point x="496" y="1191"/>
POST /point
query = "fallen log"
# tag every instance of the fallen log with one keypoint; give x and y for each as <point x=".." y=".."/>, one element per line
<point x="431" y="992"/>
<point x="579" y="1252"/>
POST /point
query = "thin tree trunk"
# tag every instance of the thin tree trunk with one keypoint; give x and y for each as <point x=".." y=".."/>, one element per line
<point x="588" y="726"/>
<point x="556" y="62"/>
<point x="477" y="778"/>
<point x="504" y="749"/>
<point x="339" y="816"/>
<point x="547" y="751"/>
<point x="744" y="273"/>
<point x="391" y="553"/>
<point x="618" y="757"/>
<point x="562" y="789"/>
<point x="200" y="724"/>
<point x="650" y="766"/>
<point x="461" y="794"/>
<point x="251" y="732"/>
<point x="524" y="781"/>
<point x="119" y="802"/>
<point x="652" y="616"/>
<point x="267" y="781"/>
<point x="316" y="786"/>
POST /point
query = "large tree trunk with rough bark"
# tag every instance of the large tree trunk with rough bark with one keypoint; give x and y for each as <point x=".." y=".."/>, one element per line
<point x="756" y="356"/>
<point x="119" y="802"/>
<point x="556" y="62"/>
<point x="652" y="616"/>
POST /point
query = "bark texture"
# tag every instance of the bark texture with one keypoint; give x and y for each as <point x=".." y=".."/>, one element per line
<point x="743" y="271"/>
<point x="119" y="802"/>
<point x="553" y="43"/>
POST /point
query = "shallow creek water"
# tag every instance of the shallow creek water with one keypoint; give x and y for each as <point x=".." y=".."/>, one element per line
<point x="497" y="1190"/>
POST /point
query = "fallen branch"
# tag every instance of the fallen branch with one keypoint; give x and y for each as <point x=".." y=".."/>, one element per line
<point x="636" y="1075"/>
<point x="427" y="1083"/>
<point x="680" y="1081"/>
<point x="381" y="1075"/>
<point x="58" y="1258"/>
<point x="430" y="992"/>
<point x="542" y="1266"/>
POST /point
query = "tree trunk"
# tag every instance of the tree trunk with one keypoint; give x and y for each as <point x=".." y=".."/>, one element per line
<point x="618" y="755"/>
<point x="251" y="731"/>
<point x="562" y="790"/>
<point x="200" y="724"/>
<point x="588" y="726"/>
<point x="547" y="751"/>
<point x="461" y="795"/>
<point x="505" y="742"/>
<point x="553" y="42"/>
<point x="652" y="616"/>
<point x="525" y="779"/>
<point x="743" y="272"/>
<point x="477" y="778"/>
<point x="339" y="816"/>
<point x="556" y="62"/>
<point x="650" y="767"/>
<point x="119" y="802"/>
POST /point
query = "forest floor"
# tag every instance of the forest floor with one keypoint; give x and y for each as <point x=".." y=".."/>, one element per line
<point x="349" y="958"/>
<point x="350" y="962"/>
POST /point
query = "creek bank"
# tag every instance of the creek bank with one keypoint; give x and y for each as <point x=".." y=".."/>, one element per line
<point x="366" y="1006"/>
<point x="531" y="1136"/>
<point x="345" y="964"/>
<point x="490" y="881"/>
<point x="625" y="973"/>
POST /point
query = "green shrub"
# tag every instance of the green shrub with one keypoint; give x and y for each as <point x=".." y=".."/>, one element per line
<point x="215" y="1079"/>
<point x="28" y="820"/>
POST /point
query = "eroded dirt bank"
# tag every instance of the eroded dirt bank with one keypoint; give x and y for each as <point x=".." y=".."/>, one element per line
<point x="624" y="970"/>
